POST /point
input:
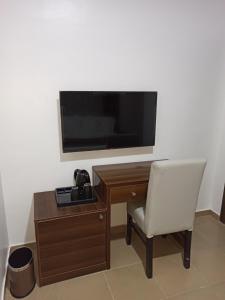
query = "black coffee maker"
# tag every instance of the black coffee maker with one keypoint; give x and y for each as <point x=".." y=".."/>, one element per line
<point x="82" y="188"/>
<point x="81" y="177"/>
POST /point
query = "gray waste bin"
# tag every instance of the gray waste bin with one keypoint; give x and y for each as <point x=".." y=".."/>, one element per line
<point x="21" y="272"/>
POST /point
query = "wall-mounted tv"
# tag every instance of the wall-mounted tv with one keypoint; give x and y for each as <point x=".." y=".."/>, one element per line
<point x="107" y="120"/>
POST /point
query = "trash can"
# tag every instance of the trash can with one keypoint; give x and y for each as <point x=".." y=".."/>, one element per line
<point x="21" y="272"/>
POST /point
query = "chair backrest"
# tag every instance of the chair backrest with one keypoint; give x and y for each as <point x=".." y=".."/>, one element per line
<point x="172" y="195"/>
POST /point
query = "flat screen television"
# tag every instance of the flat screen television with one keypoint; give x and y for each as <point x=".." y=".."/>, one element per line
<point x="107" y="120"/>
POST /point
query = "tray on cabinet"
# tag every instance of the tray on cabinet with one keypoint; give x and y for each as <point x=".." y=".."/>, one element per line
<point x="67" y="196"/>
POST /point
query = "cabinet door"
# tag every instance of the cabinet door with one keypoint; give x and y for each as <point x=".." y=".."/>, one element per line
<point x="71" y="243"/>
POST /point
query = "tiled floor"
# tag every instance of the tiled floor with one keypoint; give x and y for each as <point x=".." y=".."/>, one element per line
<point x="126" y="279"/>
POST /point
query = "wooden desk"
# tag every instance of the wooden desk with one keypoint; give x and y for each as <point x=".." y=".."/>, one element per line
<point x="74" y="241"/>
<point x="120" y="183"/>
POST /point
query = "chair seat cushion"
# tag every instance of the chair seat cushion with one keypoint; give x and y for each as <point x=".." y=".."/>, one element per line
<point x="137" y="211"/>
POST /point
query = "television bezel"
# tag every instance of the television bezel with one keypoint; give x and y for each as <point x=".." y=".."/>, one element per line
<point x="110" y="148"/>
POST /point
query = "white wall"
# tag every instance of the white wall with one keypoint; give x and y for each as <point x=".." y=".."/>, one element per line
<point x="173" y="47"/>
<point x="219" y="174"/>
<point x="4" y="244"/>
<point x="219" y="141"/>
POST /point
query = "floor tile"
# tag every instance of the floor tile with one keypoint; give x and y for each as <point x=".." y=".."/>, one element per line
<point x="49" y="292"/>
<point x="86" y="287"/>
<point x="219" y="290"/>
<point x="173" y="278"/>
<point x="211" y="262"/>
<point x="199" y="242"/>
<point x="131" y="283"/>
<point x="92" y="286"/>
<point x="200" y="294"/>
<point x="127" y="280"/>
<point x="122" y="255"/>
<point x="211" y="230"/>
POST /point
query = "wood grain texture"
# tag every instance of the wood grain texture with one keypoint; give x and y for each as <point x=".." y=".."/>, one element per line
<point x="74" y="273"/>
<point x="76" y="227"/>
<point x="70" y="241"/>
<point x="124" y="174"/>
<point x="45" y="207"/>
<point x="135" y="192"/>
<point x="66" y="262"/>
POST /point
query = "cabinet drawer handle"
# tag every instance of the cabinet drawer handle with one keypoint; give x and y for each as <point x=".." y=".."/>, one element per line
<point x="133" y="194"/>
<point x="100" y="216"/>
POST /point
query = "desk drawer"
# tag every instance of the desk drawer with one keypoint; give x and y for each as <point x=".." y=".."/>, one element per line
<point x="128" y="193"/>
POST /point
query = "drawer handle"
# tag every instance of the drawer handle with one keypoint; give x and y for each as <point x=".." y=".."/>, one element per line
<point x="101" y="217"/>
<point x="133" y="194"/>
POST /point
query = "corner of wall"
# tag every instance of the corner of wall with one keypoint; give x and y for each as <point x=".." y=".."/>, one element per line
<point x="4" y="244"/>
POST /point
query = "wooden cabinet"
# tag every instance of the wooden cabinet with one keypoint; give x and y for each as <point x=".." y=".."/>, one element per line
<point x="71" y="241"/>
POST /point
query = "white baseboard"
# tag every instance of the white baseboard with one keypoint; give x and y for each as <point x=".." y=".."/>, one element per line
<point x="4" y="279"/>
<point x="203" y="209"/>
<point x="204" y="212"/>
<point x="22" y="244"/>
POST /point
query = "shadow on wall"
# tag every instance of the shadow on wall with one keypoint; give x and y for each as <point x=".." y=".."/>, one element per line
<point x="4" y="242"/>
<point x="30" y="233"/>
<point x="104" y="153"/>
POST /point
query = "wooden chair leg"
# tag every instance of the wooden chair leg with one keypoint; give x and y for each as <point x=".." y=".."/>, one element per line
<point x="149" y="256"/>
<point x="129" y="229"/>
<point x="187" y="249"/>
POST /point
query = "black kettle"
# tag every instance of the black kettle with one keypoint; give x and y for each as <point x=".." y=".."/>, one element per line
<point x="81" y="177"/>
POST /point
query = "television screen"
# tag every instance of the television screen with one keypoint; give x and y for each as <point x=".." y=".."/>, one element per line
<point x="107" y="120"/>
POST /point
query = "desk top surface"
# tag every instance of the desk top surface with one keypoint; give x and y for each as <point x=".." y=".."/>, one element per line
<point x="125" y="173"/>
<point x="115" y="174"/>
<point x="45" y="207"/>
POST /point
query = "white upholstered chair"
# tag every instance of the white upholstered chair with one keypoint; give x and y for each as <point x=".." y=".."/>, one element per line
<point x="170" y="205"/>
